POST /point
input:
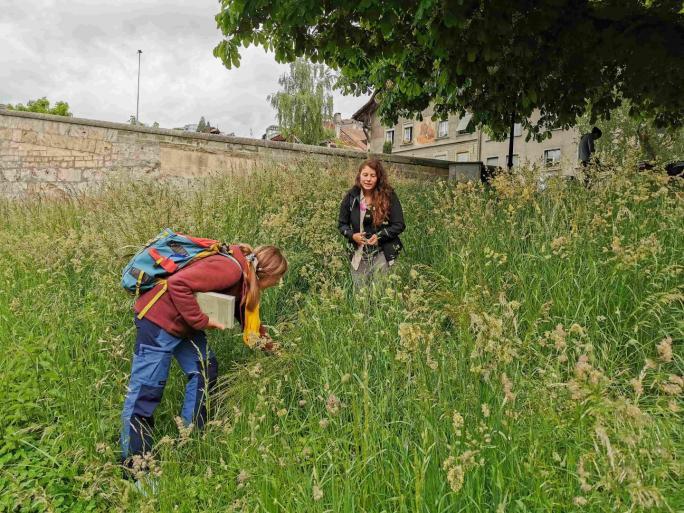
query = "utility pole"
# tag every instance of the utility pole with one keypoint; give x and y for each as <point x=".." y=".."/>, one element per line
<point x="137" y="102"/>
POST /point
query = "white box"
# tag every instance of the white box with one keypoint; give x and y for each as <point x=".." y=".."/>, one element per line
<point x="220" y="307"/>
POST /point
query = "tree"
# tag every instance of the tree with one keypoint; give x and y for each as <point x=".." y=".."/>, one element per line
<point x="494" y="58"/>
<point x="42" y="105"/>
<point x="625" y="133"/>
<point x="305" y="102"/>
<point x="202" y="125"/>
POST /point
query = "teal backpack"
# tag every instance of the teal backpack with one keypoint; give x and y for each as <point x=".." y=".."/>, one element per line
<point x="167" y="253"/>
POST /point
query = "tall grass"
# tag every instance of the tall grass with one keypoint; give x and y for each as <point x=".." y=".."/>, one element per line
<point x="525" y="354"/>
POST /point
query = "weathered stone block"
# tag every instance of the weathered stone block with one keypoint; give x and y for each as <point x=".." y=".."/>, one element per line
<point x="69" y="175"/>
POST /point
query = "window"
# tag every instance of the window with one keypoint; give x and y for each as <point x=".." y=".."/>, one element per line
<point x="389" y="136"/>
<point x="517" y="129"/>
<point x="516" y="160"/>
<point x="408" y="134"/>
<point x="463" y="156"/>
<point x="493" y="161"/>
<point x="443" y="129"/>
<point x="463" y="123"/>
<point x="440" y="156"/>
<point x="552" y="157"/>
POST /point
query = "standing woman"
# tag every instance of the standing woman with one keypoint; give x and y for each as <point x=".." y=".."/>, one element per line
<point x="371" y="219"/>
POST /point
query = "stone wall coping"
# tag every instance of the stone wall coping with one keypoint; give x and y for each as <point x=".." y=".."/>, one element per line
<point x="303" y="148"/>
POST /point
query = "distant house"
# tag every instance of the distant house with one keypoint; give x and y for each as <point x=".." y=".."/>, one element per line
<point x="456" y="139"/>
<point x="348" y="134"/>
<point x="271" y="132"/>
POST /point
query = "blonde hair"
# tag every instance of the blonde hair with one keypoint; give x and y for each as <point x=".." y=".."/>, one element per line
<point x="271" y="262"/>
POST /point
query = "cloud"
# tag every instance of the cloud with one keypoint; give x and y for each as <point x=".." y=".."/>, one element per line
<point x="85" y="52"/>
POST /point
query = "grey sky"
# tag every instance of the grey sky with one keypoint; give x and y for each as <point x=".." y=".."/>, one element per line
<point x="85" y="52"/>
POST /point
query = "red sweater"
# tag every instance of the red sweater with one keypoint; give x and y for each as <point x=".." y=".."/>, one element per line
<point x="177" y="311"/>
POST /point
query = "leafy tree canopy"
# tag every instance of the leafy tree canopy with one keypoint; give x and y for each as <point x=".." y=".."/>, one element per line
<point x="305" y="102"/>
<point x="42" y="105"/>
<point x="625" y="134"/>
<point x="490" y="58"/>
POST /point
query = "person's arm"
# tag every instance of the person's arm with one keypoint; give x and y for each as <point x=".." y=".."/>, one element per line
<point x="344" y="219"/>
<point x="206" y="275"/>
<point x="395" y="223"/>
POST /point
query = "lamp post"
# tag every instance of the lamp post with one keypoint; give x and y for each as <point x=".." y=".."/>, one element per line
<point x="510" y="142"/>
<point x="137" y="102"/>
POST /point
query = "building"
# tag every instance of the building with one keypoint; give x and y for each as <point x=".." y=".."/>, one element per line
<point x="455" y="139"/>
<point x="349" y="133"/>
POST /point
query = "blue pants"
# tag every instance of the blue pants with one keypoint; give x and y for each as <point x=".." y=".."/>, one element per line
<point x="154" y="349"/>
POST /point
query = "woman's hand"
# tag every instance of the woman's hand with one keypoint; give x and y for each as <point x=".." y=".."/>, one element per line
<point x="359" y="238"/>
<point x="373" y="241"/>
<point x="212" y="324"/>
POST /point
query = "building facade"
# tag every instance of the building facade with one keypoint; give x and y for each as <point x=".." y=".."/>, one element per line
<point x="456" y="140"/>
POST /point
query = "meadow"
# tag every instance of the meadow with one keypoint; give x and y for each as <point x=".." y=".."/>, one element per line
<point x="526" y="353"/>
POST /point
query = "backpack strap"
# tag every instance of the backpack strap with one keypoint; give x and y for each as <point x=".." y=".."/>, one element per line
<point x="159" y="294"/>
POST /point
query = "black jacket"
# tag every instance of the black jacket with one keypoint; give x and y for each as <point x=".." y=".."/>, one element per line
<point x="388" y="232"/>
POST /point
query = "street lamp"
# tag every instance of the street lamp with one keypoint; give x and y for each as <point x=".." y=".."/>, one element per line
<point x="137" y="102"/>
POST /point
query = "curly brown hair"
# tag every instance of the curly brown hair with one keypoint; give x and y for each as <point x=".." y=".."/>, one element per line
<point x="382" y="194"/>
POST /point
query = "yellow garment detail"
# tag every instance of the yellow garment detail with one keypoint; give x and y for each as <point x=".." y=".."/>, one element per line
<point x="252" y="325"/>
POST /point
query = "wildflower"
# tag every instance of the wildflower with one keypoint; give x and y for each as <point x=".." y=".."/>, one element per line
<point x="558" y="336"/>
<point x="413" y="274"/>
<point x="333" y="405"/>
<point x="183" y="430"/>
<point x="485" y="410"/>
<point x="457" y="421"/>
<point x="455" y="478"/>
<point x="345" y="378"/>
<point x="673" y="406"/>
<point x="665" y="350"/>
<point x="255" y="371"/>
<point x="282" y="412"/>
<point x="317" y="493"/>
<point x="577" y="329"/>
<point x="302" y="402"/>
<point x="243" y="477"/>
<point x="101" y="447"/>
<point x="583" y="475"/>
<point x="509" y="396"/>
<point x="579" y="501"/>
<point x="637" y="386"/>
<point x="673" y="386"/>
<point x="323" y="423"/>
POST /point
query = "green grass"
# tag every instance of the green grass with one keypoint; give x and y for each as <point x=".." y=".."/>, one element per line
<point x="535" y="317"/>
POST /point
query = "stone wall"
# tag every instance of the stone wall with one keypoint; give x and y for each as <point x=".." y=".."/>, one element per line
<point x="43" y="154"/>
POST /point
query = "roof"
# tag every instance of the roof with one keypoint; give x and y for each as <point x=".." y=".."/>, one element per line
<point x="353" y="138"/>
<point x="367" y="109"/>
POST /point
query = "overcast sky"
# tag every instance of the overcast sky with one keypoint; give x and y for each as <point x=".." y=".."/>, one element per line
<point x="84" y="52"/>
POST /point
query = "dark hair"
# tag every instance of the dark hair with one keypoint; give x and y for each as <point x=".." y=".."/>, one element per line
<point x="596" y="131"/>
<point x="382" y="194"/>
